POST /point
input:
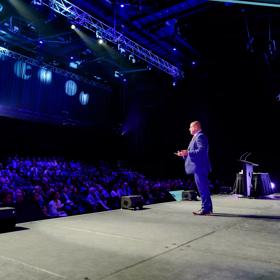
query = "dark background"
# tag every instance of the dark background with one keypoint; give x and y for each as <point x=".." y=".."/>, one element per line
<point x="147" y="119"/>
<point x="232" y="87"/>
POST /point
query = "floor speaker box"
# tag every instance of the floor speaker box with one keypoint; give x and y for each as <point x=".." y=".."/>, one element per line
<point x="132" y="202"/>
<point x="7" y="218"/>
<point x="189" y="195"/>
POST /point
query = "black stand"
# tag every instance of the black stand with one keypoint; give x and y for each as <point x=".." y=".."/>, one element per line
<point x="247" y="168"/>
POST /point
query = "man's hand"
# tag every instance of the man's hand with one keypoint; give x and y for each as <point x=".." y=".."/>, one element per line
<point x="182" y="153"/>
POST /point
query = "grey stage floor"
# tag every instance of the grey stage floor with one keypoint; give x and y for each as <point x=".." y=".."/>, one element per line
<point x="163" y="241"/>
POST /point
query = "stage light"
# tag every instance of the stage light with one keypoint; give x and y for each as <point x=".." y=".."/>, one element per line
<point x="41" y="42"/>
<point x="71" y="88"/>
<point x="98" y="34"/>
<point x="272" y="185"/>
<point x="1" y="8"/>
<point x="36" y="2"/>
<point x="117" y="74"/>
<point x="132" y="58"/>
<point x="100" y="41"/>
<point x="121" y="49"/>
<point x="84" y="98"/>
<point x="22" y="70"/>
<point x="45" y="76"/>
<point x="75" y="64"/>
<point x="174" y="49"/>
<point x="73" y="26"/>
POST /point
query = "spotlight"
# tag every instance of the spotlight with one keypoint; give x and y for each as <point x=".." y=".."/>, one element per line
<point x="118" y="74"/>
<point x="132" y="58"/>
<point x="36" y="2"/>
<point x="73" y="26"/>
<point x="121" y="49"/>
<point x="100" y="41"/>
<point x="41" y="42"/>
<point x="98" y="35"/>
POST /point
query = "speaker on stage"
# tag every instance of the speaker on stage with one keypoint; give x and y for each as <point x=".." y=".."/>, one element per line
<point x="132" y="202"/>
<point x="189" y="195"/>
<point x="7" y="218"/>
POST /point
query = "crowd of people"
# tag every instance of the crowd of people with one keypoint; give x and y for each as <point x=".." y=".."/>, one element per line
<point x="42" y="188"/>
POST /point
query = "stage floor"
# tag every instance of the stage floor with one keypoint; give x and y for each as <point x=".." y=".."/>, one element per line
<point x="163" y="241"/>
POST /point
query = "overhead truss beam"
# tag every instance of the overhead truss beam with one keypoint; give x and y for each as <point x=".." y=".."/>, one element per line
<point x="82" y="18"/>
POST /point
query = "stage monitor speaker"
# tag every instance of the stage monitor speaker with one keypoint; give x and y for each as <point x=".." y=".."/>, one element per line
<point x="189" y="195"/>
<point x="7" y="218"/>
<point x="132" y="202"/>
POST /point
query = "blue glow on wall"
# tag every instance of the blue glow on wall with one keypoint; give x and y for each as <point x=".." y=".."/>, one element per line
<point x="45" y="76"/>
<point x="21" y="69"/>
<point x="2" y="57"/>
<point x="71" y="88"/>
<point x="84" y="98"/>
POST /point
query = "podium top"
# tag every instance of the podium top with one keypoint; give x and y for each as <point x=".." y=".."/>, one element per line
<point x="248" y="162"/>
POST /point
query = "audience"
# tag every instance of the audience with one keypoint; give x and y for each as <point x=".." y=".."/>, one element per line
<point x="43" y="188"/>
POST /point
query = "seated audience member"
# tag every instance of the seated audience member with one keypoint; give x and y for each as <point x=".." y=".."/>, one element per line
<point x="55" y="206"/>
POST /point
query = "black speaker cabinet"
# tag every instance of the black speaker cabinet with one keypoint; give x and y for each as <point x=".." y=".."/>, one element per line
<point x="132" y="202"/>
<point x="7" y="218"/>
<point x="189" y="195"/>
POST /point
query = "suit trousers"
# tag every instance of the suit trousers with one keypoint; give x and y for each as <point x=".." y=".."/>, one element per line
<point x="201" y="180"/>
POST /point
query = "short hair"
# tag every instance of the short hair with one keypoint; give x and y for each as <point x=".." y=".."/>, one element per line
<point x="196" y="123"/>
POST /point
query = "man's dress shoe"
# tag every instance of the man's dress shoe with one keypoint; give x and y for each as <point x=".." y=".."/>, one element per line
<point x="202" y="212"/>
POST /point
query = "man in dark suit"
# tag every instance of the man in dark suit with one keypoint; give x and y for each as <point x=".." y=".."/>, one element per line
<point x="197" y="163"/>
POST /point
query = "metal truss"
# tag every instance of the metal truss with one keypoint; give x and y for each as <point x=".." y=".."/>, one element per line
<point x="54" y="69"/>
<point x="80" y="17"/>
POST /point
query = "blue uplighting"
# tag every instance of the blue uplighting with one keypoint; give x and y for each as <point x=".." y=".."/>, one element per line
<point x="71" y="88"/>
<point x="21" y="69"/>
<point x="45" y="76"/>
<point x="84" y="98"/>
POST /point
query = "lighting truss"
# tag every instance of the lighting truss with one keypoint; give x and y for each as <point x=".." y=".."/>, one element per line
<point x="80" y="17"/>
<point x="38" y="63"/>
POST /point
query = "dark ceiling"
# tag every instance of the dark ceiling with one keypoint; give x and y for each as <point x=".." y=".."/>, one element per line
<point x="203" y="32"/>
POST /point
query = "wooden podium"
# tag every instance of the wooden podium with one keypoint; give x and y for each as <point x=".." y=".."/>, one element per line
<point x="247" y="169"/>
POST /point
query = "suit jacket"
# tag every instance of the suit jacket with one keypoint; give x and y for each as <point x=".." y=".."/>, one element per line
<point x="197" y="160"/>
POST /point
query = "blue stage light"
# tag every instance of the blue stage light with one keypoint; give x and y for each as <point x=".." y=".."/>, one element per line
<point x="21" y="69"/>
<point x="71" y="88"/>
<point x="45" y="76"/>
<point x="84" y="98"/>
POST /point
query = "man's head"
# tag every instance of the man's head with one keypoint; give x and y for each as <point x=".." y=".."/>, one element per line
<point x="195" y="127"/>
